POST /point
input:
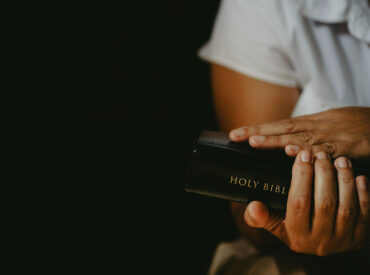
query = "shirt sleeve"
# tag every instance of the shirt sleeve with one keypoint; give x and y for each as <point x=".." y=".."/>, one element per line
<point x="246" y="39"/>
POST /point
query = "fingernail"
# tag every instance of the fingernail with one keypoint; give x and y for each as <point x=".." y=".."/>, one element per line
<point x="322" y="155"/>
<point x="258" y="139"/>
<point x="361" y="183"/>
<point x="343" y="163"/>
<point x="305" y="156"/>
<point x="292" y="148"/>
<point x="238" y="133"/>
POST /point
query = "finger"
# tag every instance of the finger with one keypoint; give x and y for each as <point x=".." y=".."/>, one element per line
<point x="286" y="126"/>
<point x="306" y="138"/>
<point x="362" y="231"/>
<point x="299" y="197"/>
<point x="347" y="204"/>
<point x="257" y="215"/>
<point x="333" y="149"/>
<point x="293" y="150"/>
<point x="325" y="197"/>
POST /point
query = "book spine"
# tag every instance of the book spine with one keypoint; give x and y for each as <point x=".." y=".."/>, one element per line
<point x="213" y="175"/>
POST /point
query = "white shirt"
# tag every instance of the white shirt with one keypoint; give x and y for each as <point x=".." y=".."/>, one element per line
<point x="320" y="46"/>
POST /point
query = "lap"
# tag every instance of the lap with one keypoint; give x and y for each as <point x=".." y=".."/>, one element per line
<point x="241" y="257"/>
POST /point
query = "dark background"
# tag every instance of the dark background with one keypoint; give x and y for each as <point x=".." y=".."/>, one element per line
<point x="125" y="96"/>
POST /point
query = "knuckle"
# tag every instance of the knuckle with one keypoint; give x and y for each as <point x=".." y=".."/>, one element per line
<point x="281" y="141"/>
<point x="256" y="130"/>
<point x="324" y="166"/>
<point x="307" y="138"/>
<point x="346" y="178"/>
<point x="289" y="125"/>
<point x="346" y="213"/>
<point x="302" y="171"/>
<point x="300" y="203"/>
<point x="330" y="148"/>
<point x="328" y="205"/>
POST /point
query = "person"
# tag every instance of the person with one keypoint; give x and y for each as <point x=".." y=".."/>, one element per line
<point x="295" y="75"/>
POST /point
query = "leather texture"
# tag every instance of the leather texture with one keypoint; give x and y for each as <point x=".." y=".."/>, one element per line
<point x="236" y="171"/>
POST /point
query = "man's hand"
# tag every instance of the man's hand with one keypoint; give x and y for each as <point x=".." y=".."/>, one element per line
<point x="338" y="132"/>
<point x="338" y="221"/>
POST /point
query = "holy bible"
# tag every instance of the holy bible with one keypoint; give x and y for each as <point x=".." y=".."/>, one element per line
<point x="234" y="171"/>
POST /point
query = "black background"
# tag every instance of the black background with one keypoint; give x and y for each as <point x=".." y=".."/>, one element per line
<point x="125" y="95"/>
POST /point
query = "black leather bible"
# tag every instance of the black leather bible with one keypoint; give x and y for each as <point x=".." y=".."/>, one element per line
<point x="221" y="168"/>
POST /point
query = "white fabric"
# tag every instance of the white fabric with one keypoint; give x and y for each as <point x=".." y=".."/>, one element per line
<point x="320" y="46"/>
<point x="355" y="12"/>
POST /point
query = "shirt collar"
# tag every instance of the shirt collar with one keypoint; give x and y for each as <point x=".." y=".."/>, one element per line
<point x="355" y="12"/>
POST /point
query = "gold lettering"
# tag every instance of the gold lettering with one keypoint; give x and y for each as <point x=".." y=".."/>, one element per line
<point x="244" y="181"/>
<point x="254" y="184"/>
<point x="249" y="183"/>
<point x="232" y="179"/>
<point x="277" y="189"/>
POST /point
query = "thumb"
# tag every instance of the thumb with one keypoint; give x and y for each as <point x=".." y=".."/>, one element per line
<point x="258" y="215"/>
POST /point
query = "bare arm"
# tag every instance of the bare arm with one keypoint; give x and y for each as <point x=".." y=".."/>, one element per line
<point x="240" y="100"/>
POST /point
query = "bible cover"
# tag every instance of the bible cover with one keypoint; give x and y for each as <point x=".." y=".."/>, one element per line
<point x="234" y="171"/>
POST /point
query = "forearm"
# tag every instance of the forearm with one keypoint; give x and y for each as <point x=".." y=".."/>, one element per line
<point x="242" y="101"/>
